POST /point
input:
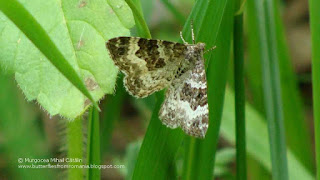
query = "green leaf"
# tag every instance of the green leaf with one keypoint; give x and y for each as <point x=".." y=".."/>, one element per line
<point x="78" y="30"/>
<point x="121" y="9"/>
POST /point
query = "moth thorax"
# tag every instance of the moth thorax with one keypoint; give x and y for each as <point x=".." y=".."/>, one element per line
<point x="194" y="52"/>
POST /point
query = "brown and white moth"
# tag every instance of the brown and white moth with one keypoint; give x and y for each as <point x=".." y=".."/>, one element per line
<point x="152" y="65"/>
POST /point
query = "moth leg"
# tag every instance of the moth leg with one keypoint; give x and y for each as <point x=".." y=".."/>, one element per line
<point x="184" y="41"/>
<point x="210" y="49"/>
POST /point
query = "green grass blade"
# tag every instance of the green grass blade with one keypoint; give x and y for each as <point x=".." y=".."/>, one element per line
<point x="158" y="149"/>
<point x="189" y="165"/>
<point x="258" y="146"/>
<point x="273" y="97"/>
<point x="297" y="132"/>
<point x="216" y="29"/>
<point x="75" y="147"/>
<point x="141" y="24"/>
<point x="37" y="35"/>
<point x="314" y="6"/>
<point x="297" y="135"/>
<point x="253" y="65"/>
<point x="271" y="84"/>
<point x="93" y="146"/>
<point x="241" y="160"/>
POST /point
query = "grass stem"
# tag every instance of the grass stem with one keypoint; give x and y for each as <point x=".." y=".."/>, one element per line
<point x="272" y="92"/>
<point x="141" y="24"/>
<point x="314" y="7"/>
<point x="239" y="98"/>
<point x="93" y="148"/>
<point x="75" y="146"/>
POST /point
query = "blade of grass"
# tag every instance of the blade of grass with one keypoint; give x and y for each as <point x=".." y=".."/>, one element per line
<point x="93" y="146"/>
<point x="141" y="24"/>
<point x="189" y="160"/>
<point x="216" y="28"/>
<point x="158" y="149"/>
<point x="273" y="98"/>
<point x="314" y="6"/>
<point x="217" y="77"/>
<point x="271" y="85"/>
<point x="75" y="147"/>
<point x="297" y="135"/>
<point x="297" y="131"/>
<point x="17" y="13"/>
<point x="253" y="65"/>
<point x="241" y="163"/>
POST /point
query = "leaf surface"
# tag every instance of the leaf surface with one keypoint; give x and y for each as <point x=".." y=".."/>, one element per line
<point x="79" y="29"/>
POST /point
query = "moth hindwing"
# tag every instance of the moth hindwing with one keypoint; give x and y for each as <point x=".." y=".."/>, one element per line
<point x="152" y="65"/>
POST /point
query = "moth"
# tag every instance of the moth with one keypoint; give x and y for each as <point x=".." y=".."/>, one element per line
<point x="152" y="65"/>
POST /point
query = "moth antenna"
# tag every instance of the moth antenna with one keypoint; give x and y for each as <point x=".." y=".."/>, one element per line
<point x="192" y="32"/>
<point x="184" y="41"/>
<point x="208" y="50"/>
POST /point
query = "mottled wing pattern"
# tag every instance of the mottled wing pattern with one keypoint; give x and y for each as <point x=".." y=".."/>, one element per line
<point x="186" y="102"/>
<point x="148" y="65"/>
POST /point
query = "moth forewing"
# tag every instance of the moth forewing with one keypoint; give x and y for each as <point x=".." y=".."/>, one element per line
<point x="152" y="65"/>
